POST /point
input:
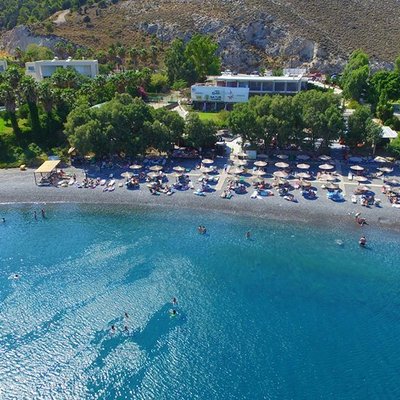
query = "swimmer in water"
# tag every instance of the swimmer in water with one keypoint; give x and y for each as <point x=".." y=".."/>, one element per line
<point x="43" y="213"/>
<point x="248" y="235"/>
<point x="173" y="313"/>
<point x="174" y="301"/>
<point x="3" y="220"/>
<point x="363" y="241"/>
<point x="16" y="276"/>
<point x="126" y="315"/>
<point x="126" y="329"/>
<point x="112" y="329"/>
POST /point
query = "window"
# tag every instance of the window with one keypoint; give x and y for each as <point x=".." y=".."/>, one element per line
<point x="279" y="86"/>
<point x="291" y="87"/>
<point x="268" y="86"/>
<point x="243" y="84"/>
<point x="31" y="68"/>
<point x="256" y="86"/>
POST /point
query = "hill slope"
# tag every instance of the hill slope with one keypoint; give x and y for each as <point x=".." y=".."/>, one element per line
<point x="250" y="32"/>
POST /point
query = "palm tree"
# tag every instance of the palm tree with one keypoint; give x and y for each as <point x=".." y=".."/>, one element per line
<point x="29" y="91"/>
<point x="9" y="98"/>
<point x="47" y="96"/>
<point x="133" y="56"/>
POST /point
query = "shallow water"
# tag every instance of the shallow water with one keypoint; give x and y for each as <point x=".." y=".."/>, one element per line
<point x="289" y="314"/>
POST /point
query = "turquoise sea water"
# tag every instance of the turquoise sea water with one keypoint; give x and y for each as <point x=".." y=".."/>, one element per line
<point x="289" y="314"/>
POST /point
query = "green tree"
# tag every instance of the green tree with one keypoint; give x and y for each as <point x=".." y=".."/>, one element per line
<point x="35" y="52"/>
<point x="355" y="75"/>
<point x="179" y="68"/>
<point x="243" y="121"/>
<point x="373" y="133"/>
<point x="158" y="83"/>
<point x="29" y="92"/>
<point x="357" y="126"/>
<point x="9" y="99"/>
<point x="201" y="50"/>
<point x="384" y="109"/>
<point x="198" y="133"/>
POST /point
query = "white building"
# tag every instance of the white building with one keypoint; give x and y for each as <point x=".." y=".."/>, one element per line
<point x="45" y="68"/>
<point x="237" y="88"/>
<point x="3" y="65"/>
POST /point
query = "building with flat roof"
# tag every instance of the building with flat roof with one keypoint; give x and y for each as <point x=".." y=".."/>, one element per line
<point x="3" y="65"/>
<point x="231" y="88"/>
<point x="45" y="68"/>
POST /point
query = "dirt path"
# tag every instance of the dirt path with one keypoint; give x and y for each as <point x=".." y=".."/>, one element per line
<point x="60" y="19"/>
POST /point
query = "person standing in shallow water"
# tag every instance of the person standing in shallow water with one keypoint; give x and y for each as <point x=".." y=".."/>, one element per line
<point x="248" y="235"/>
<point x="35" y="215"/>
<point x="43" y="213"/>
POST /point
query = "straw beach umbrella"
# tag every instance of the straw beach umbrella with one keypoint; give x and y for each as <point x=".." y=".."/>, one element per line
<point x="280" y="174"/>
<point x="331" y="178"/>
<point x="386" y="170"/>
<point x="156" y="168"/>
<point x="259" y="173"/>
<point x="326" y="167"/>
<point x="206" y="170"/>
<point x="260" y="164"/>
<point x="237" y="171"/>
<point x="281" y="165"/>
<point x="305" y="183"/>
<point x="303" y="175"/>
<point x="179" y="169"/>
<point x="331" y="186"/>
<point x="357" y="168"/>
<point x="127" y="175"/>
<point x="381" y="160"/>
<point x="135" y="166"/>
<point x="207" y="161"/>
<point x="303" y="166"/>
<point x="153" y="175"/>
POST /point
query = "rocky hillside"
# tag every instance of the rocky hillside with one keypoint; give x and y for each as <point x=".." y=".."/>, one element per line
<point x="250" y="33"/>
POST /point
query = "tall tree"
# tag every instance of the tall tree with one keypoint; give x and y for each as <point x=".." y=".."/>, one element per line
<point x="355" y="75"/>
<point x="9" y="99"/>
<point x="29" y="91"/>
<point x="202" y="51"/>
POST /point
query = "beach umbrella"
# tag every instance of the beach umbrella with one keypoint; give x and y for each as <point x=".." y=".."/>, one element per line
<point x="380" y="159"/>
<point x="156" y="168"/>
<point x="259" y="173"/>
<point x="387" y="170"/>
<point x="355" y="159"/>
<point x="207" y="161"/>
<point x="153" y="175"/>
<point x="393" y="182"/>
<point x="127" y="174"/>
<point x="241" y="163"/>
<point x="237" y="171"/>
<point x="178" y="174"/>
<point x="331" y="178"/>
<point x="326" y="166"/>
<point x="135" y="166"/>
<point x="260" y="164"/>
<point x="357" y="168"/>
<point x="262" y="156"/>
<point x="71" y="150"/>
<point x="305" y="183"/>
<point x="281" y="181"/>
<point x="206" y="170"/>
<point x="303" y="157"/>
<point x="281" y="165"/>
<point x="360" y="179"/>
<point x="325" y="158"/>
<point x="258" y="180"/>
<point x="331" y="186"/>
<point x="280" y="174"/>
<point x="282" y="156"/>
<point x="303" y="175"/>
<point x="179" y="169"/>
<point x="303" y="166"/>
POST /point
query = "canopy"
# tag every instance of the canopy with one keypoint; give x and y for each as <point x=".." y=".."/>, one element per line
<point x="260" y="164"/>
<point x="280" y="174"/>
<point x="47" y="167"/>
<point x="207" y="161"/>
<point x="179" y="169"/>
<point x="357" y="168"/>
<point x="156" y="168"/>
<point x="361" y="179"/>
<point x="135" y="166"/>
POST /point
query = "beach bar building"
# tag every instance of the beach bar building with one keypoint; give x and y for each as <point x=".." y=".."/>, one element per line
<point x="43" y="69"/>
<point x="228" y="88"/>
<point x="45" y="171"/>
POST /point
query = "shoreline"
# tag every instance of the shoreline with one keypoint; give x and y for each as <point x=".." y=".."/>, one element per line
<point x="18" y="188"/>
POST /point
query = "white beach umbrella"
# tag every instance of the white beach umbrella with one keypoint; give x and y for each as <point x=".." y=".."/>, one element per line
<point x="331" y="185"/>
<point x="331" y="178"/>
<point x="305" y="183"/>
<point x="179" y="169"/>
<point x="386" y="170"/>
<point x="381" y="160"/>
<point x="303" y="166"/>
<point x="282" y="156"/>
<point x="237" y="171"/>
<point x="326" y="167"/>
<point x="325" y="158"/>
<point x="280" y="174"/>
<point x="360" y="179"/>
<point x="357" y="168"/>
<point x="127" y="174"/>
<point x="392" y="182"/>
<point x="207" y="161"/>
<point x="241" y="163"/>
<point x="281" y="165"/>
<point x="206" y="170"/>
<point x="259" y="173"/>
<point x="260" y="164"/>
